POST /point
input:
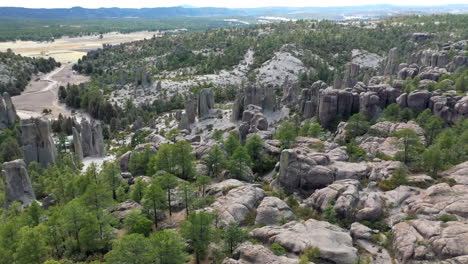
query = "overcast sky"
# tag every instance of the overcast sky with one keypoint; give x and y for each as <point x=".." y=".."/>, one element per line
<point x="212" y="3"/>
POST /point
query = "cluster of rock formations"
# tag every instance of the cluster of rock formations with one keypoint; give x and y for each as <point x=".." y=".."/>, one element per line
<point x="88" y="140"/>
<point x="7" y="111"/>
<point x="17" y="183"/>
<point x="37" y="143"/>
<point x="201" y="106"/>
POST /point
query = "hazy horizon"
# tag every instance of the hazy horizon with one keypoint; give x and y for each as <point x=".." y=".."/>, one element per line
<point x="210" y="3"/>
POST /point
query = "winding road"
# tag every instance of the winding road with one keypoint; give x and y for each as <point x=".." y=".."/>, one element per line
<point x="42" y="93"/>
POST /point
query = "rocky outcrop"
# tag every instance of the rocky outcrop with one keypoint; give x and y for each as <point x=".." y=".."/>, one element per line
<point x="372" y="208"/>
<point x="350" y="75"/>
<point x="253" y="121"/>
<point x="335" y="244"/>
<point x="92" y="140"/>
<point x="300" y="171"/>
<point x="36" y="141"/>
<point x="237" y="203"/>
<point x="345" y="194"/>
<point x="121" y="210"/>
<point x="248" y="253"/>
<point x="392" y="62"/>
<point x="335" y="104"/>
<point x="77" y="145"/>
<point x="7" y="111"/>
<point x="124" y="160"/>
<point x="440" y="199"/>
<point x="308" y="104"/>
<point x="191" y="110"/>
<point x="263" y="97"/>
<point x="17" y="183"/>
<point x="205" y="102"/>
<point x="272" y="211"/>
<point x="429" y="241"/>
<point x="406" y="71"/>
<point x="387" y="128"/>
<point x="217" y="189"/>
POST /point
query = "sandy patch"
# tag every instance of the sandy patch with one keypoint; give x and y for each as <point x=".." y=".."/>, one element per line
<point x="71" y="49"/>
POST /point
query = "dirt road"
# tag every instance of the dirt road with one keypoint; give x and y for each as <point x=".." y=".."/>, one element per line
<point x="42" y="93"/>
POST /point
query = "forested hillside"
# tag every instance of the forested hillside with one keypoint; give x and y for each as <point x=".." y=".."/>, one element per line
<point x="16" y="71"/>
<point x="286" y="143"/>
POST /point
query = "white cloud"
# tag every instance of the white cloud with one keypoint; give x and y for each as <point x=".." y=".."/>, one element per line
<point x="211" y="3"/>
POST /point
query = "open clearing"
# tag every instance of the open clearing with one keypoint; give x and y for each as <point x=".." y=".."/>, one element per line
<point x="42" y="93"/>
<point x="67" y="50"/>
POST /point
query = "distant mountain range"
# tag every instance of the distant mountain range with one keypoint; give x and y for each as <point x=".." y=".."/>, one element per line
<point x="365" y="11"/>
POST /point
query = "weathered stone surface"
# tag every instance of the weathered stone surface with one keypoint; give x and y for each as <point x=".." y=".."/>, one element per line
<point x="7" y="111"/>
<point x="350" y="170"/>
<point x="205" y="102"/>
<point x="237" y="203"/>
<point x="124" y="160"/>
<point x="372" y="208"/>
<point x="92" y="140"/>
<point x="17" y="183"/>
<point x="121" y="210"/>
<point x="369" y="105"/>
<point x="440" y="199"/>
<point x="191" y="110"/>
<point x="375" y="145"/>
<point x="303" y="172"/>
<point x="77" y="143"/>
<point x="308" y="103"/>
<point x="334" y="243"/>
<point x="360" y="231"/>
<point x="345" y="193"/>
<point x="37" y="142"/>
<point x="429" y="240"/>
<point x="272" y="211"/>
<point x="248" y="253"/>
<point x="350" y="75"/>
<point x="387" y="128"/>
<point x="458" y="173"/>
<point x="218" y="189"/>
<point x="392" y="62"/>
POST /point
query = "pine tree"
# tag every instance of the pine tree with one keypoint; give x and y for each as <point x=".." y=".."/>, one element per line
<point x="153" y="201"/>
<point x="215" y="161"/>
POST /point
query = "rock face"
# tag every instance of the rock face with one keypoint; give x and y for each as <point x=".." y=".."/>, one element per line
<point x="344" y="192"/>
<point x="191" y="110"/>
<point x="248" y="253"/>
<point x="253" y="121"/>
<point x="335" y="243"/>
<point x="263" y="97"/>
<point x="77" y="145"/>
<point x="37" y="142"/>
<point x="372" y="208"/>
<point x="17" y="183"/>
<point x="92" y="141"/>
<point x="205" y="102"/>
<point x="237" y="203"/>
<point x="429" y="240"/>
<point x="392" y="62"/>
<point x="309" y="101"/>
<point x="350" y="75"/>
<point x="303" y="172"/>
<point x="272" y="211"/>
<point x="7" y="111"/>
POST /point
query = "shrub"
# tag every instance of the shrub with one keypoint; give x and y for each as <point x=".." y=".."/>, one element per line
<point x="250" y="218"/>
<point x="355" y="152"/>
<point x="397" y="179"/>
<point x="313" y="253"/>
<point x="448" y="217"/>
<point x="277" y="249"/>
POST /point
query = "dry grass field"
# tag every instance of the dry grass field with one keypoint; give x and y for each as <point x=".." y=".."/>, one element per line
<point x="67" y="50"/>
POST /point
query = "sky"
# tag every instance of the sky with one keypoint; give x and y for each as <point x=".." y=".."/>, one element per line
<point x="212" y="3"/>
